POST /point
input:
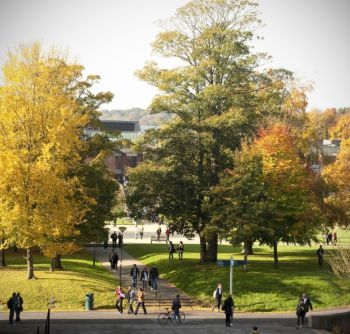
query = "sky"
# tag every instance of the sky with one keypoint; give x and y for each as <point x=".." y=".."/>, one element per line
<point x="113" y="38"/>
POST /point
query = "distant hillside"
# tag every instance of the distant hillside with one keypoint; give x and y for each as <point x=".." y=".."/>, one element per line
<point x="136" y="114"/>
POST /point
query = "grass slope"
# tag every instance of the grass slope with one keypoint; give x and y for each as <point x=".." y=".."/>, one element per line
<point x="68" y="287"/>
<point x="261" y="287"/>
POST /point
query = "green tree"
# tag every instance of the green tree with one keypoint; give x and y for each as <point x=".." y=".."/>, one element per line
<point x="218" y="97"/>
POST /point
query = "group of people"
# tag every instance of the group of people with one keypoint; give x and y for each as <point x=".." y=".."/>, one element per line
<point x="117" y="237"/>
<point x="130" y="296"/>
<point x="180" y="250"/>
<point x="304" y="305"/>
<point x="15" y="305"/>
<point x="147" y="278"/>
<point x="331" y="238"/>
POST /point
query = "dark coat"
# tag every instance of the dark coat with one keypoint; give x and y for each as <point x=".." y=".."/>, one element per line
<point x="228" y="305"/>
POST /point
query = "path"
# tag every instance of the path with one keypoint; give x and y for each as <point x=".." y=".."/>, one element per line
<point x="167" y="291"/>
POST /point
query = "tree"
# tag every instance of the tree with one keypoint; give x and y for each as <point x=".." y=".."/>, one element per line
<point x="241" y="199"/>
<point x="216" y="97"/>
<point x="291" y="213"/>
<point x="337" y="175"/>
<point x="44" y="106"/>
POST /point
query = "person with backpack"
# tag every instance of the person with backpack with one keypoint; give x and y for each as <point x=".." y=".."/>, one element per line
<point x="130" y="297"/>
<point x="217" y="295"/>
<point x="227" y="307"/>
<point x="176" y="308"/>
<point x="11" y="304"/>
<point x="300" y="312"/>
<point x="308" y="305"/>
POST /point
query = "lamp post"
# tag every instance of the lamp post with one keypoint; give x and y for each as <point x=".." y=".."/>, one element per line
<point x="122" y="229"/>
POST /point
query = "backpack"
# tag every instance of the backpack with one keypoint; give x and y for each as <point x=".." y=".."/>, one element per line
<point x="9" y="303"/>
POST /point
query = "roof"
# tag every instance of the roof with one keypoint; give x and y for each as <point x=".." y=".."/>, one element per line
<point x="122" y="126"/>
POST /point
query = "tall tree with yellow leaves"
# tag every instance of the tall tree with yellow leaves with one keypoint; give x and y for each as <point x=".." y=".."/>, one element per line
<point x="44" y="106"/>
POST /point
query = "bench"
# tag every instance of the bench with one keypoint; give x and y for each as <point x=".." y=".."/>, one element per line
<point x="161" y="238"/>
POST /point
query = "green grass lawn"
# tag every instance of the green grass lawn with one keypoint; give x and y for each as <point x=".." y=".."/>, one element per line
<point x="261" y="287"/>
<point x="68" y="287"/>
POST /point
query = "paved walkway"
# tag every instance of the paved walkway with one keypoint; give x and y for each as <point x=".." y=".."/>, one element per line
<point x="166" y="291"/>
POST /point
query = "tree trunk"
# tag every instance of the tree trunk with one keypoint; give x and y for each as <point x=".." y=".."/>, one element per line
<point x="30" y="264"/>
<point x="203" y="249"/>
<point x="275" y="255"/>
<point x="2" y="256"/>
<point x="247" y="248"/>
<point x="58" y="263"/>
<point x="52" y="264"/>
<point x="213" y="248"/>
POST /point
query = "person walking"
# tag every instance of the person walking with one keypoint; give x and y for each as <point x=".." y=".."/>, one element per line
<point x="320" y="254"/>
<point x="141" y="231"/>
<point x="130" y="297"/>
<point x="308" y="305"/>
<point x="140" y="301"/>
<point x="120" y="240"/>
<point x="114" y="239"/>
<point x="18" y="306"/>
<point x="167" y="233"/>
<point x="217" y="297"/>
<point x="119" y="293"/>
<point x="171" y="250"/>
<point x="134" y="273"/>
<point x="180" y="250"/>
<point x="11" y="304"/>
<point x="228" y="308"/>
<point x="144" y="278"/>
<point x="153" y="276"/>
<point x="335" y="238"/>
<point x="300" y="312"/>
<point x="176" y="308"/>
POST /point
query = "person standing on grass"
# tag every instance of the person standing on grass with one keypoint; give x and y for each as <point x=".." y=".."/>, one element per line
<point x="228" y="308"/>
<point x="18" y="306"/>
<point x="320" y="254"/>
<point x="144" y="278"/>
<point x="11" y="305"/>
<point x="171" y="250"/>
<point x="140" y="301"/>
<point x="119" y="293"/>
<point x="130" y="297"/>
<point x="180" y="250"/>
<point x="153" y="276"/>
<point x="134" y="273"/>
<point x="217" y="297"/>
<point x="300" y="312"/>
<point x="308" y="304"/>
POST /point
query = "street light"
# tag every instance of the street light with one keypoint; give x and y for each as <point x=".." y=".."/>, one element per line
<point x="122" y="229"/>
